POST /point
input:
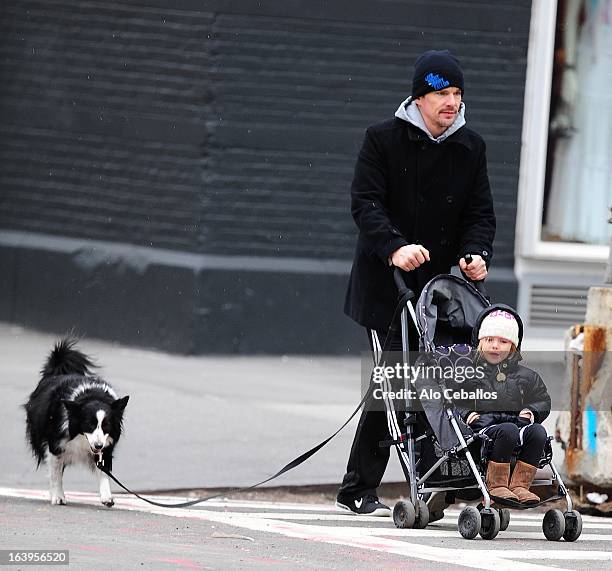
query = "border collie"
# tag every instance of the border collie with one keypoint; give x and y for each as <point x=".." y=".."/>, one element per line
<point x="73" y="416"/>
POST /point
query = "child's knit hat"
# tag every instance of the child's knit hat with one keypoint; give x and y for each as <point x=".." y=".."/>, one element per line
<point x="500" y="324"/>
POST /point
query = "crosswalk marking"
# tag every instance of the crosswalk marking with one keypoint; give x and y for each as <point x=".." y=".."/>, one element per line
<point x="295" y="516"/>
<point x="315" y="523"/>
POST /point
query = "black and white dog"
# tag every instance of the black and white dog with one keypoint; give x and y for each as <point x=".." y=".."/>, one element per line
<point x="73" y="416"/>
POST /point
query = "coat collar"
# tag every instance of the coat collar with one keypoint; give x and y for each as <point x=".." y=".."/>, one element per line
<point x="507" y="366"/>
<point x="460" y="136"/>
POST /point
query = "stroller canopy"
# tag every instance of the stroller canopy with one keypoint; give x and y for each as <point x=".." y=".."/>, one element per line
<point x="447" y="310"/>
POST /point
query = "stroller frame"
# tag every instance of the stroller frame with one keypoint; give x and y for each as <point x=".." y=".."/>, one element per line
<point x="484" y="520"/>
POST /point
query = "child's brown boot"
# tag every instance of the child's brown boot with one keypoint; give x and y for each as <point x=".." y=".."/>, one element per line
<point x="498" y="474"/>
<point x="522" y="477"/>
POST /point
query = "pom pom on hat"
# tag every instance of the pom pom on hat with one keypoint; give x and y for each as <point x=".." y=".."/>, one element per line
<point x="500" y="324"/>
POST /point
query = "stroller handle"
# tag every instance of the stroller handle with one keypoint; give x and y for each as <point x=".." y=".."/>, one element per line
<point x="402" y="288"/>
<point x="479" y="285"/>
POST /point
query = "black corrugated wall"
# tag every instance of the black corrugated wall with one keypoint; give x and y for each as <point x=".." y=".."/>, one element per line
<point x="179" y="176"/>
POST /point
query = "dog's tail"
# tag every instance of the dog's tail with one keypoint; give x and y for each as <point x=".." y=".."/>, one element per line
<point x="64" y="359"/>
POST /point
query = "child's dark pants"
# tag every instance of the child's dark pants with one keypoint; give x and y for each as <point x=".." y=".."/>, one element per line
<point x="507" y="437"/>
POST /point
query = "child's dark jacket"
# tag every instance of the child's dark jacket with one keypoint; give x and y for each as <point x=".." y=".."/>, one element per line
<point x="521" y="388"/>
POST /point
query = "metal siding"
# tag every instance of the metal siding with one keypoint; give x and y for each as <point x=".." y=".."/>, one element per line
<point x="231" y="128"/>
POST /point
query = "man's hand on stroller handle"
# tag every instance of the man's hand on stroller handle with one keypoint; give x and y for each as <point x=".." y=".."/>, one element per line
<point x="476" y="270"/>
<point x="410" y="257"/>
<point x="413" y="256"/>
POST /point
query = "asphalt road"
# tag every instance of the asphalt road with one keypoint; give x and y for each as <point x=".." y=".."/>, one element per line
<point x="239" y="534"/>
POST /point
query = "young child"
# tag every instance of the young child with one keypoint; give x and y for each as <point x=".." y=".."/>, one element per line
<point x="512" y="420"/>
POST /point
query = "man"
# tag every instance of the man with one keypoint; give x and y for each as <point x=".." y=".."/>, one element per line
<point x="421" y="200"/>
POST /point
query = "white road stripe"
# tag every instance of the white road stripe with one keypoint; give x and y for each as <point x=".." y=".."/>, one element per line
<point x="530" y="523"/>
<point x="302" y="512"/>
<point x="530" y="515"/>
<point x="388" y="528"/>
<point x="493" y="559"/>
<point x="219" y="503"/>
<point x="526" y="518"/>
<point x="565" y="554"/>
<point x="450" y="514"/>
<point x="453" y="533"/>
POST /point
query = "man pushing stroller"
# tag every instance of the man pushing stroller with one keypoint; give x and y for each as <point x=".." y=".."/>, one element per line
<point x="421" y="199"/>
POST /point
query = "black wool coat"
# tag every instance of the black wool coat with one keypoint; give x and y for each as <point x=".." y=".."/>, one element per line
<point x="521" y="388"/>
<point x="408" y="189"/>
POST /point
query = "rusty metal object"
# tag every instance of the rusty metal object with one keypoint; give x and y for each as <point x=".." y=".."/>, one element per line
<point x="585" y="429"/>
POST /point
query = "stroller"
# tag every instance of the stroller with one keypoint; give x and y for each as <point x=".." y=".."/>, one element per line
<point x="440" y="455"/>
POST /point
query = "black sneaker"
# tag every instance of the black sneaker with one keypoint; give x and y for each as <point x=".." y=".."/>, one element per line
<point x="368" y="505"/>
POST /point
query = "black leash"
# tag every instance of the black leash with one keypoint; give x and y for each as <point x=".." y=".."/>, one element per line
<point x="294" y="463"/>
<point x="403" y="298"/>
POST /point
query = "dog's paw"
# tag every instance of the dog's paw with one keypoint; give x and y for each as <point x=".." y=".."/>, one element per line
<point x="58" y="501"/>
<point x="108" y="502"/>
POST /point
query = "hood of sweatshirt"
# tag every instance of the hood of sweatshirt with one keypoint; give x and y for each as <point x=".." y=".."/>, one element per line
<point x="412" y="115"/>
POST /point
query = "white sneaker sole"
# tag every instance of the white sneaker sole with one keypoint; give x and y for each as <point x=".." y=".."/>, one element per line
<point x="378" y="512"/>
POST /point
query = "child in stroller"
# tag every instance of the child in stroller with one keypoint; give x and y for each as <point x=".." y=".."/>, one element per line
<point x="513" y="420"/>
<point x="464" y="449"/>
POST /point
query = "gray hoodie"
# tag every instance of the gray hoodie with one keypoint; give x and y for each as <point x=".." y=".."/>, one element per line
<point x="412" y="114"/>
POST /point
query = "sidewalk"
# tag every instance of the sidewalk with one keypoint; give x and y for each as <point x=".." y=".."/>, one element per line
<point x="196" y="422"/>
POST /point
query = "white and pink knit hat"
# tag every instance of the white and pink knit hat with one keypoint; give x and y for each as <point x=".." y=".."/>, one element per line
<point x="500" y="323"/>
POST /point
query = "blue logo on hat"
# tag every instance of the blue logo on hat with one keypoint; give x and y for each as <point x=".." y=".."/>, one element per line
<point x="436" y="81"/>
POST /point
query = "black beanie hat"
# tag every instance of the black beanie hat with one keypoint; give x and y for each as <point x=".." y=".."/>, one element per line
<point x="435" y="70"/>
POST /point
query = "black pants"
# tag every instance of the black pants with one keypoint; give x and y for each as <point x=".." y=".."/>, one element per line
<point x="507" y="437"/>
<point x="367" y="460"/>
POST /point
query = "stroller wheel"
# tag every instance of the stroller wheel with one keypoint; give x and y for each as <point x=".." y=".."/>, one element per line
<point x="469" y="522"/>
<point x="491" y="523"/>
<point x="404" y="515"/>
<point x="553" y="525"/>
<point x="504" y="519"/>
<point x="573" y="525"/>
<point x="422" y="519"/>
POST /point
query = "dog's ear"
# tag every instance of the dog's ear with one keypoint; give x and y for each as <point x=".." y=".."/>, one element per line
<point x="71" y="406"/>
<point x="120" y="404"/>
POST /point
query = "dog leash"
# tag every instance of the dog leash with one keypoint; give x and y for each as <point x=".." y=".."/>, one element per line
<point x="291" y="465"/>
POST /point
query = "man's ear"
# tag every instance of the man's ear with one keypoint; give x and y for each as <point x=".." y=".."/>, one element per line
<point x="120" y="404"/>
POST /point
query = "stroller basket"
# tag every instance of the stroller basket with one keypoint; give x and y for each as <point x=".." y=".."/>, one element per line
<point x="452" y="472"/>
